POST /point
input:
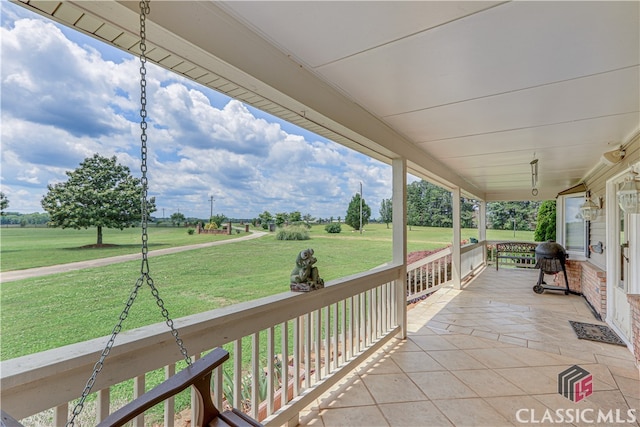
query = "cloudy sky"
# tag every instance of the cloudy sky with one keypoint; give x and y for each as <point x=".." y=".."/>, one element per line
<point x="66" y="96"/>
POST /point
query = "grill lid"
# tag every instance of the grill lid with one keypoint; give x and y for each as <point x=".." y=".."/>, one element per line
<point x="550" y="249"/>
<point x="550" y="257"/>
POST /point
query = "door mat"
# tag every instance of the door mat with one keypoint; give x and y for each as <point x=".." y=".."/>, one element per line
<point x="600" y="333"/>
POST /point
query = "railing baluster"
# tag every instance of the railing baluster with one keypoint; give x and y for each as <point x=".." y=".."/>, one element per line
<point x="255" y="371"/>
<point x="217" y="387"/>
<point x="195" y="401"/>
<point x="343" y="325"/>
<point x="270" y="368"/>
<point x="363" y="321"/>
<point x="138" y="390"/>
<point x="369" y="324"/>
<point x="335" y="324"/>
<point x="237" y="374"/>
<point x="385" y="302"/>
<point x="169" y="404"/>
<point x="60" y="414"/>
<point x="284" y="363"/>
<point x="307" y="351"/>
<point x="318" y="344"/>
<point x="103" y="402"/>
<point x="297" y="354"/>
<point x="327" y="341"/>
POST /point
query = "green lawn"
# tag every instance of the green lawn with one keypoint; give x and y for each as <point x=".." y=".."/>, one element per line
<point x="22" y="248"/>
<point x="51" y="311"/>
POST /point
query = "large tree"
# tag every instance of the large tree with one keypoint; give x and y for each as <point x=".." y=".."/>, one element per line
<point x="546" y="226"/>
<point x="4" y="203"/>
<point x="501" y="215"/>
<point x="353" y="212"/>
<point x="386" y="211"/>
<point x="99" y="193"/>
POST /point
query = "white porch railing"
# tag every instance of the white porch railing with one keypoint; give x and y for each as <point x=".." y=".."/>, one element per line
<point x="322" y="336"/>
<point x="429" y="274"/>
<point x="472" y="257"/>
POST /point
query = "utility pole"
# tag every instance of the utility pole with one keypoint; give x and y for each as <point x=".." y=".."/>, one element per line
<point x="211" y="200"/>
<point x="360" y="207"/>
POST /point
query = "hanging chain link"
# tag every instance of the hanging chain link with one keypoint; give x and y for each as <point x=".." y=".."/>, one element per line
<point x="144" y="269"/>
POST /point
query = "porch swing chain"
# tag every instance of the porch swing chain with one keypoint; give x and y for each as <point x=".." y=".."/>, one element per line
<point x="144" y="269"/>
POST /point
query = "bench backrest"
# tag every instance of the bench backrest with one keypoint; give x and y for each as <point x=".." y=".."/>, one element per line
<point x="516" y="247"/>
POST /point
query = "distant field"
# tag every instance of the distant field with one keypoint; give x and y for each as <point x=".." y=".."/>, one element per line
<point x="22" y="248"/>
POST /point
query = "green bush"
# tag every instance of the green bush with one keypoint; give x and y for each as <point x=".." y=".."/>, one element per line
<point x="333" y="228"/>
<point x="293" y="232"/>
<point x="191" y="231"/>
<point x="546" y="224"/>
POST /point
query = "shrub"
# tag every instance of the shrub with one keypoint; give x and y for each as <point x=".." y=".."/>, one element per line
<point x="211" y="226"/>
<point x="191" y="231"/>
<point x="293" y="232"/>
<point x="333" y="228"/>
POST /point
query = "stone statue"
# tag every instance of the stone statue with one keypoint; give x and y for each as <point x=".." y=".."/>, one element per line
<point x="304" y="277"/>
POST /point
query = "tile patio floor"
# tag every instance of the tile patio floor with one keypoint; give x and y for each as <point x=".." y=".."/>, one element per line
<point x="476" y="357"/>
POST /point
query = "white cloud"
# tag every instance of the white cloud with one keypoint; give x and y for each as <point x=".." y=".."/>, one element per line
<point x="81" y="103"/>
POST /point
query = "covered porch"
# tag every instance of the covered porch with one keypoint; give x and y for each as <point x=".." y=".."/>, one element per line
<point x="489" y="354"/>
<point x="476" y="351"/>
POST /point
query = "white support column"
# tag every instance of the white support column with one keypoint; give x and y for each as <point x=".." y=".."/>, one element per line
<point x="456" y="259"/>
<point x="399" y="226"/>
<point x="482" y="228"/>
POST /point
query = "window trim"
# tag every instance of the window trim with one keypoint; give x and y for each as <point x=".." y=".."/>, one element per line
<point x="561" y="237"/>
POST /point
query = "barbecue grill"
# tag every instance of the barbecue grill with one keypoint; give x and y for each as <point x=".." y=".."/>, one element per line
<point x="550" y="259"/>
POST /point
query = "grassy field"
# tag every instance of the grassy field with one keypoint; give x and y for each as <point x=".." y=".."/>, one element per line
<point x="22" y="248"/>
<point x="48" y="312"/>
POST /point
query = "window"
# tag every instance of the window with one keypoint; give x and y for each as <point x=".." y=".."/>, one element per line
<point x="571" y="229"/>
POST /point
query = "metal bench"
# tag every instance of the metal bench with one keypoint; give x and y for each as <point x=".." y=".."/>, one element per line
<point x="521" y="254"/>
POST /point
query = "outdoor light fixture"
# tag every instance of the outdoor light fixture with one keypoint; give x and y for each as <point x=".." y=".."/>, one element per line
<point x="629" y="194"/>
<point x="589" y="210"/>
<point x="534" y="176"/>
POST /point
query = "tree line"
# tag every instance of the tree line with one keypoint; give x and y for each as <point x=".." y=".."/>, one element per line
<point x="429" y="205"/>
<point x="102" y="193"/>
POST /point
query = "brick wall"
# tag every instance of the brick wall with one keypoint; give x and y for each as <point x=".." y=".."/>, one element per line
<point x="634" y="301"/>
<point x="589" y="280"/>
<point x="592" y="282"/>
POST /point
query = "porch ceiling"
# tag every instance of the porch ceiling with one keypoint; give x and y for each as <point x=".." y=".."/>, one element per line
<point x="469" y="92"/>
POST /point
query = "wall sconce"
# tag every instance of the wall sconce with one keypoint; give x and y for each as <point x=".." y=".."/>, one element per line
<point x="629" y="194"/>
<point x="589" y="210"/>
<point x="534" y="176"/>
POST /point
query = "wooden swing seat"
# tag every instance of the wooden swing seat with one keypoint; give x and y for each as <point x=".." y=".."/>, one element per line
<point x="197" y="375"/>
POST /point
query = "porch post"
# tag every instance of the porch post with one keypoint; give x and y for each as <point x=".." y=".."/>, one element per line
<point x="456" y="259"/>
<point x="399" y="228"/>
<point x="482" y="228"/>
